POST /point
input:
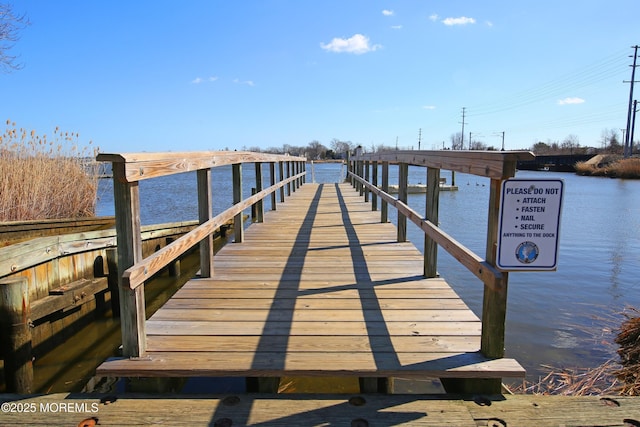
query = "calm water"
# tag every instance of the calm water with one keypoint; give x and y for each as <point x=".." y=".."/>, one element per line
<point x="560" y="318"/>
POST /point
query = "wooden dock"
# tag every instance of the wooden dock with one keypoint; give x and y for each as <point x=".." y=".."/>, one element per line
<point x="318" y="410"/>
<point x="320" y="288"/>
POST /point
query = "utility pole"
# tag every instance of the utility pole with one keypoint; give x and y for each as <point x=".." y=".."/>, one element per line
<point x="419" y="138"/>
<point x="633" y="126"/>
<point x="627" y="152"/>
<point x="463" y="123"/>
<point x="502" y="140"/>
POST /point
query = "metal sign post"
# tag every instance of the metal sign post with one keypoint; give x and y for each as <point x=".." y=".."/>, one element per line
<point x="529" y="224"/>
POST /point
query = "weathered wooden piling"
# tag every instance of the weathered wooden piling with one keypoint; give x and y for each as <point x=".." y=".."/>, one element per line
<point x="15" y="336"/>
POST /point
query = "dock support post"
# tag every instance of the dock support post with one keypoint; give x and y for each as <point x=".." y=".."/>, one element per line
<point x="494" y="306"/>
<point x="366" y="178"/>
<point x="431" y="210"/>
<point x="238" y="229"/>
<point x="374" y="385"/>
<point x="374" y="181"/>
<point x="15" y="336"/>
<point x="112" y="280"/>
<point x="384" y="205"/>
<point x="205" y="213"/>
<point x="288" y="176"/>
<point x="260" y="203"/>
<point x="262" y="384"/>
<point x="281" y="175"/>
<point x="272" y="181"/>
<point x="129" y="241"/>
<point x="403" y="179"/>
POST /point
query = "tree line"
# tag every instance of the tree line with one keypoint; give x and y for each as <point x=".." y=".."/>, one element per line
<point x="610" y="143"/>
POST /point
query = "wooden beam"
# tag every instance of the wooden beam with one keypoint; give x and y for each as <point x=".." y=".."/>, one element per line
<point x="403" y="182"/>
<point x="138" y="166"/>
<point x="238" y="225"/>
<point x="205" y="212"/>
<point x="431" y="210"/>
<point x="132" y="304"/>
<point x="15" y="335"/>
<point x="482" y="163"/>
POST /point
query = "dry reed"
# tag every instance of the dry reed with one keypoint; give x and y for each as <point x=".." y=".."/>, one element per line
<point x="620" y="376"/>
<point x="45" y="178"/>
<point x="622" y="168"/>
<point x="629" y="341"/>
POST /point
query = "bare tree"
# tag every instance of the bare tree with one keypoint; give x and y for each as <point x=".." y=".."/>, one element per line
<point x="341" y="147"/>
<point x="456" y="141"/>
<point x="10" y="25"/>
<point x="316" y="151"/>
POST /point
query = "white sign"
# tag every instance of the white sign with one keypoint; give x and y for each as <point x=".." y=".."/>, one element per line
<point x="529" y="224"/>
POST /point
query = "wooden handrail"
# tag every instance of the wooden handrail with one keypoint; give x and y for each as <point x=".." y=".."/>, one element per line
<point x="474" y="263"/>
<point x="489" y="164"/>
<point x="142" y="271"/>
<point x="139" y="166"/>
<point x="133" y="269"/>
<point x="496" y="165"/>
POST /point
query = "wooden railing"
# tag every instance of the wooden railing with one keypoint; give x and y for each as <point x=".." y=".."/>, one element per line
<point x="496" y="165"/>
<point x="133" y="270"/>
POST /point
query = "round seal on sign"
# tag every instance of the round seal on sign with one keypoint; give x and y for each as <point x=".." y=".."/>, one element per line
<point x="527" y="252"/>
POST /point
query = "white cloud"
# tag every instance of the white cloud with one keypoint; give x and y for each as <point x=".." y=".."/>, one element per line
<point x="489" y="23"/>
<point x="396" y="27"/>
<point x="199" y="80"/>
<point x="428" y="107"/>
<point x="463" y="20"/>
<point x="357" y="44"/>
<point x="571" y="100"/>
<point x="387" y="12"/>
<point x="434" y="17"/>
<point x="244" y="82"/>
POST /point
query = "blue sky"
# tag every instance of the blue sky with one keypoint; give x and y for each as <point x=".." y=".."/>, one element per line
<point x="208" y="75"/>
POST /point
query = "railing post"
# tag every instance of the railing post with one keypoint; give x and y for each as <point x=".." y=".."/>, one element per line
<point x="431" y="214"/>
<point x="288" y="176"/>
<point x="281" y="174"/>
<point x="260" y="203"/>
<point x="366" y="178"/>
<point x="15" y="336"/>
<point x="348" y="163"/>
<point x="494" y="305"/>
<point x="205" y="213"/>
<point x="403" y="180"/>
<point x="384" y="205"/>
<point x="495" y="300"/>
<point x="361" y="175"/>
<point x="238" y="227"/>
<point x="303" y="179"/>
<point x="272" y="182"/>
<point x="374" y="181"/>
<point x="129" y="243"/>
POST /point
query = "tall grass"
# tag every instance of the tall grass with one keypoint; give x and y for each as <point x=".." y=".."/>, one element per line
<point x="46" y="178"/>
<point x="622" y="168"/>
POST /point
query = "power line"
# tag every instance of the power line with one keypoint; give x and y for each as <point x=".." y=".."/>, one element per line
<point x="587" y="76"/>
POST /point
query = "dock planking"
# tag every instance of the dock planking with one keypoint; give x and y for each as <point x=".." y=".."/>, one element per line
<point x="318" y="410"/>
<point x="320" y="288"/>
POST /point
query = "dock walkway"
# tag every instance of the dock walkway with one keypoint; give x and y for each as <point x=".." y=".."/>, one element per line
<point x="320" y="288"/>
